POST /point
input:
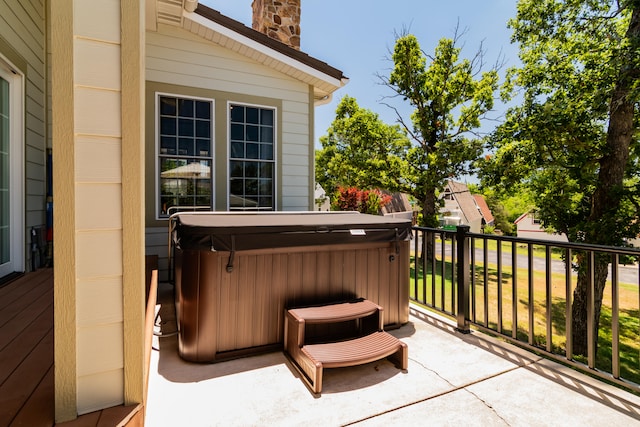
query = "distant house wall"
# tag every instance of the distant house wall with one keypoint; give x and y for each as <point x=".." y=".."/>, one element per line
<point x="529" y="228"/>
<point x="181" y="63"/>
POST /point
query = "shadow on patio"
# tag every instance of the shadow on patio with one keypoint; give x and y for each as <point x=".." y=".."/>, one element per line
<point x="452" y="378"/>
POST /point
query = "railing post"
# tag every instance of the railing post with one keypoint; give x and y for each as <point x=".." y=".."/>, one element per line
<point x="463" y="279"/>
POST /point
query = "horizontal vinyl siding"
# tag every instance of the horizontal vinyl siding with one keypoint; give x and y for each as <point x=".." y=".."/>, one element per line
<point x="157" y="243"/>
<point x="22" y="26"/>
<point x="98" y="202"/>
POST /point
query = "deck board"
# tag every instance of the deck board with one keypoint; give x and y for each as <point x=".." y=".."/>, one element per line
<point x="26" y="359"/>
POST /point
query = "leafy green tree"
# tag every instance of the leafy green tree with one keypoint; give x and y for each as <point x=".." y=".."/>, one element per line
<point x="573" y="141"/>
<point x="361" y="151"/>
<point x="449" y="101"/>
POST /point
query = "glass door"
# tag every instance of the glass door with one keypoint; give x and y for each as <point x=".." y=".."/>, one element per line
<point x="11" y="158"/>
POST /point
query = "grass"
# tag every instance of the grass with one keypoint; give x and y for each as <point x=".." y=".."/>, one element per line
<point x="498" y="314"/>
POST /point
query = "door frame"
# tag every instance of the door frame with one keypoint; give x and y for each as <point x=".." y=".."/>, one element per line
<point x="17" y="251"/>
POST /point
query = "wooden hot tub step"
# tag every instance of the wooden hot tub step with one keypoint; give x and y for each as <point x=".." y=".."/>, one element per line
<point x="311" y="359"/>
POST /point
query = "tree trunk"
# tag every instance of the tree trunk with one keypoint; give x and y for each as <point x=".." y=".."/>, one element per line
<point x="607" y="195"/>
<point x="429" y="219"/>
<point x="579" y="309"/>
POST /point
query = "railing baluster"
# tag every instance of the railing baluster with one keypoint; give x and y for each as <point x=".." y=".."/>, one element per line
<point x="591" y="339"/>
<point x="454" y="272"/>
<point x="568" y="302"/>
<point x="615" y="320"/>
<point x="485" y="283"/>
<point x="473" y="280"/>
<point x="499" y="286"/>
<point x="463" y="278"/>
<point x="548" y="297"/>
<point x="433" y="268"/>
<point x="530" y="292"/>
<point x="514" y="290"/>
<point x="443" y="269"/>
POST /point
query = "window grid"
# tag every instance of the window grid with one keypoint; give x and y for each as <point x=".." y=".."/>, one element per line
<point x="251" y="158"/>
<point x="185" y="153"/>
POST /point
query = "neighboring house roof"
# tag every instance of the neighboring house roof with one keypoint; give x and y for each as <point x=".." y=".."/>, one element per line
<point x="218" y="28"/>
<point x="465" y="201"/>
<point x="484" y="208"/>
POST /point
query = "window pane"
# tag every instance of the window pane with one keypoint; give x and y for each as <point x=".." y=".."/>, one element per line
<point x="203" y="129"/>
<point x="237" y="132"/>
<point x="237" y="186"/>
<point x="266" y="134"/>
<point x="251" y="187"/>
<point x="237" y="113"/>
<point x="251" y="169"/>
<point x="252" y="115"/>
<point x="252" y="151"/>
<point x="252" y="133"/>
<point x="203" y="187"/>
<point x="237" y="150"/>
<point x="203" y="201"/>
<point x="185" y="146"/>
<point x="266" y="189"/>
<point x="185" y="127"/>
<point x="266" y="170"/>
<point x="166" y="202"/>
<point x="266" y="152"/>
<point x="167" y="145"/>
<point x="168" y="126"/>
<point x="266" y="117"/>
<point x="185" y="108"/>
<point x="167" y="106"/>
<point x="266" y="202"/>
<point x="203" y="147"/>
<point x="203" y="110"/>
<point x="236" y="169"/>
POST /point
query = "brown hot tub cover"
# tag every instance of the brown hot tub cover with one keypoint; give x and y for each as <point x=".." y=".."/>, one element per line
<point x="245" y="231"/>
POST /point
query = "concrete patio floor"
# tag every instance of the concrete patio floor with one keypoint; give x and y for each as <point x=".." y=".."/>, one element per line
<point x="453" y="379"/>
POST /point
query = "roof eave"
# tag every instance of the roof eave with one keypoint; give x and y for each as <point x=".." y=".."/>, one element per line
<point x="213" y="26"/>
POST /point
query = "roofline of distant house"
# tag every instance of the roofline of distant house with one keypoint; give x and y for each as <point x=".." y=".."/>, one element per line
<point x="257" y="36"/>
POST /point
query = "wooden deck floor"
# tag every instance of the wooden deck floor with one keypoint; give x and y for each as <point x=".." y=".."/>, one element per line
<point x="26" y="357"/>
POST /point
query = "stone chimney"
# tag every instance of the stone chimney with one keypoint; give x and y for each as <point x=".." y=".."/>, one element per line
<point x="278" y="19"/>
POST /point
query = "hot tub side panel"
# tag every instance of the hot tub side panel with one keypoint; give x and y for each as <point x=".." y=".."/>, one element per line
<point x="224" y="312"/>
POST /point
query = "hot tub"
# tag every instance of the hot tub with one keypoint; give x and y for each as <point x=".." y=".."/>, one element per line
<point x="236" y="273"/>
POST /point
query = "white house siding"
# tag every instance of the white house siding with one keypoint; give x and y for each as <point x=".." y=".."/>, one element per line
<point x="157" y="243"/>
<point x="177" y="57"/>
<point x="98" y="199"/>
<point x="22" y="27"/>
<point x="528" y="229"/>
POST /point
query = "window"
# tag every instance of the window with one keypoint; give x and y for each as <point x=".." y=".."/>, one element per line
<point x="251" y="158"/>
<point x="185" y="154"/>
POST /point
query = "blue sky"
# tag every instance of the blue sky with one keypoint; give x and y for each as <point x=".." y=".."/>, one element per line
<point x="356" y="37"/>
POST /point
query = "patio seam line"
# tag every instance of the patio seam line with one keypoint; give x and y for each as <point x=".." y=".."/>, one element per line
<point x="444" y="393"/>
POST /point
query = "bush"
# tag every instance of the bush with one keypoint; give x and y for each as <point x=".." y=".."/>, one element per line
<point x="364" y="201"/>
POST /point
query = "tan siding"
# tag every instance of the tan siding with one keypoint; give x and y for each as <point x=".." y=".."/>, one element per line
<point x="108" y="394"/>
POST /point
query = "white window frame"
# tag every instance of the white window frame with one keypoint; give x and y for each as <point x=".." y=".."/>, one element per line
<point x="17" y="248"/>
<point x="211" y="157"/>
<point x="276" y="166"/>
